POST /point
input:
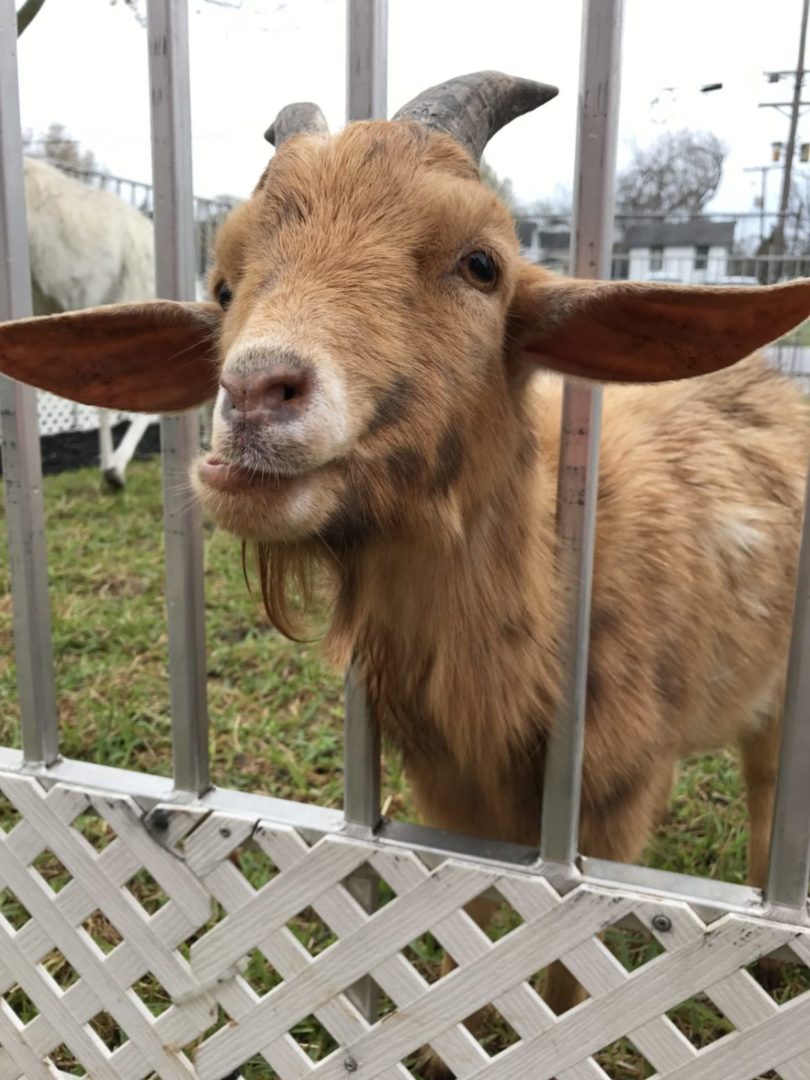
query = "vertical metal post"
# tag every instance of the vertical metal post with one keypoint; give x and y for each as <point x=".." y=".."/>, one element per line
<point x="592" y="234"/>
<point x="789" y="868"/>
<point x="361" y="807"/>
<point x="367" y="65"/>
<point x="167" y="22"/>
<point x="366" y="99"/>
<point x="361" y="767"/>
<point x="22" y="466"/>
<point x="366" y="60"/>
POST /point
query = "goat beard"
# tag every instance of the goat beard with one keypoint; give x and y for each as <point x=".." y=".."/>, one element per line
<point x="289" y="577"/>
<point x="301" y="580"/>
<point x="305" y="583"/>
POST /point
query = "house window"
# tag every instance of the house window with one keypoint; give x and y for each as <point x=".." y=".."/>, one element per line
<point x="656" y="258"/>
<point x="701" y="256"/>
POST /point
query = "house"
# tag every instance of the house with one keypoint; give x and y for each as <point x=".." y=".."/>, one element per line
<point x="695" y="251"/>
<point x="555" y="248"/>
<point x="528" y="233"/>
<point x="547" y="241"/>
<point x="548" y="244"/>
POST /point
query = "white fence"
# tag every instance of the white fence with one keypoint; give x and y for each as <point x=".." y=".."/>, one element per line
<point x="57" y="415"/>
<point x="213" y="944"/>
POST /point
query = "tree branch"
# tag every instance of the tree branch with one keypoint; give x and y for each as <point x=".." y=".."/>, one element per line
<point x="27" y="13"/>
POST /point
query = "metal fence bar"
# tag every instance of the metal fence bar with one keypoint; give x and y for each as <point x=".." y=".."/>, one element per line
<point x="789" y="868"/>
<point x="361" y="807"/>
<point x="361" y="767"/>
<point x="600" y="67"/>
<point x="366" y="60"/>
<point x="366" y="99"/>
<point x="22" y="465"/>
<point x="174" y="256"/>
<point x="366" y="78"/>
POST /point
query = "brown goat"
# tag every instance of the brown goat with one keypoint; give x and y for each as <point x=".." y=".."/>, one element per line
<point x="381" y="416"/>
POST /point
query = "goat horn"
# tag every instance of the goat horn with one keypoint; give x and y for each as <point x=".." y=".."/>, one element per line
<point x="302" y="118"/>
<point x="473" y="107"/>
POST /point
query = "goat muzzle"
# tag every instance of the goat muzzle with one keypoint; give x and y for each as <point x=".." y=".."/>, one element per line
<point x="270" y="396"/>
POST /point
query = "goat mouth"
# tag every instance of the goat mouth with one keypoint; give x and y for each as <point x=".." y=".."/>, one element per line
<point x="232" y="478"/>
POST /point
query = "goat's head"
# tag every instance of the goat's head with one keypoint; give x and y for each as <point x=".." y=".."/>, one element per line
<point x="374" y="326"/>
<point x="367" y="286"/>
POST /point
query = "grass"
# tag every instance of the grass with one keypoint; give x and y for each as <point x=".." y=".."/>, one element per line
<point x="799" y="336"/>
<point x="276" y="728"/>
<point x="276" y="710"/>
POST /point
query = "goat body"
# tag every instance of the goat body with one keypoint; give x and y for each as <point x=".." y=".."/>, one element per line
<point x="88" y="247"/>
<point x="699" y="514"/>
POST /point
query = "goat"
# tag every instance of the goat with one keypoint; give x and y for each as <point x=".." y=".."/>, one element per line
<point x="376" y="346"/>
<point x="87" y="247"/>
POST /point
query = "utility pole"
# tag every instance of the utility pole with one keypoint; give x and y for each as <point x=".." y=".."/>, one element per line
<point x="763" y="198"/>
<point x="778" y="238"/>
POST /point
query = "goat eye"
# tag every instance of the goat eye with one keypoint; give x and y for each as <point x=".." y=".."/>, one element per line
<point x="480" y="270"/>
<point x="224" y="295"/>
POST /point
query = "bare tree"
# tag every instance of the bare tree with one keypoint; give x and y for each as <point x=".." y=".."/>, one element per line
<point x="553" y="209"/>
<point x="501" y="187"/>
<point x="679" y="172"/>
<point x="59" y="145"/>
<point x="138" y="7"/>
<point x="29" y="9"/>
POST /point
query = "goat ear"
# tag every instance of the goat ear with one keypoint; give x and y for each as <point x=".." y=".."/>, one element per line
<point x="621" y="331"/>
<point x="159" y="356"/>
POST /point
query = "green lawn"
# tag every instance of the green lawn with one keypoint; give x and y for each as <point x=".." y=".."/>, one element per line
<point x="799" y="336"/>
<point x="275" y="727"/>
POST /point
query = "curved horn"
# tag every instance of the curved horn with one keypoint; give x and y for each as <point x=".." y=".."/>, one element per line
<point x="473" y="107"/>
<point x="302" y="118"/>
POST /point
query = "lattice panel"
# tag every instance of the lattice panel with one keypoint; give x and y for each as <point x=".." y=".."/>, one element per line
<point x="216" y="947"/>
<point x="57" y="415"/>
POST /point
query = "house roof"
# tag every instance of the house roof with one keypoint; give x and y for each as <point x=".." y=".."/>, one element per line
<point x="698" y="232"/>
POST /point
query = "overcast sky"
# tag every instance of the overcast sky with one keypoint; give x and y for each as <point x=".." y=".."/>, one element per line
<point x="83" y="63"/>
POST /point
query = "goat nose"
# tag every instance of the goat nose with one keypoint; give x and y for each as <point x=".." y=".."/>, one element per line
<point x="271" y="394"/>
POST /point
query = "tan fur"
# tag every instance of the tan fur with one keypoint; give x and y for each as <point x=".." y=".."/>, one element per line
<point x="699" y="513"/>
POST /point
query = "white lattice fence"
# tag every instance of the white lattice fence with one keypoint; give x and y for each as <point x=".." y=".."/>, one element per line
<point x="57" y="415"/>
<point x="138" y="957"/>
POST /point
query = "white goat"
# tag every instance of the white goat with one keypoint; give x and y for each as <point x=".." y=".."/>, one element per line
<point x="88" y="247"/>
